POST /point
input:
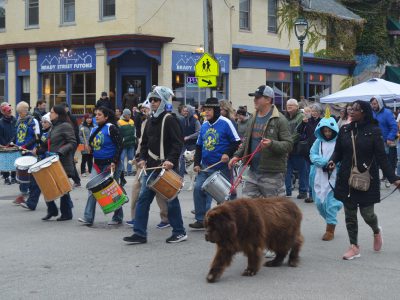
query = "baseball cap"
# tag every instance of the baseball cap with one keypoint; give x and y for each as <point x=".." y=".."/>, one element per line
<point x="263" y="91"/>
<point x="6" y="108"/>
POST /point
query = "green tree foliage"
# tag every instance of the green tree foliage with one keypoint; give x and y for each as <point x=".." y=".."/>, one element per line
<point x="375" y="38"/>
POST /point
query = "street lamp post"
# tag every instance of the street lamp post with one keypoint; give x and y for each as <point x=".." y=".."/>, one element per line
<point x="301" y="31"/>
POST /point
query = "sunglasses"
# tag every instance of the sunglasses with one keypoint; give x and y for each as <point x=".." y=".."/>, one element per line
<point x="154" y="99"/>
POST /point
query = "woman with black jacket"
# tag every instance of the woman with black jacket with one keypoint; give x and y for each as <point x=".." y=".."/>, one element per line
<point x="105" y="143"/>
<point x="61" y="141"/>
<point x="370" y="154"/>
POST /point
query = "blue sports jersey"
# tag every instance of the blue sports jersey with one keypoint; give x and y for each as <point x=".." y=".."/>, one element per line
<point x="102" y="145"/>
<point x="215" y="139"/>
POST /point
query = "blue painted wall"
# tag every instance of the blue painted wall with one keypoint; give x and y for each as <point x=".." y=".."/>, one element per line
<point x="135" y="64"/>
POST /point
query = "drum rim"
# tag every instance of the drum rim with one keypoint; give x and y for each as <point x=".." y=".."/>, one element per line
<point x="42" y="164"/>
<point x="106" y="175"/>
<point x="22" y="158"/>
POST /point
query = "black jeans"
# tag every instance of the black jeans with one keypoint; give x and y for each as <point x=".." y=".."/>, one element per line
<point x="87" y="159"/>
<point x="7" y="174"/>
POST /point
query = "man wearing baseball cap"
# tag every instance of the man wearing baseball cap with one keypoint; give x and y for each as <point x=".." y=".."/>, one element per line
<point x="270" y="129"/>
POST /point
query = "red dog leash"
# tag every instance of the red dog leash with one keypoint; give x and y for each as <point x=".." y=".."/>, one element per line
<point x="239" y="178"/>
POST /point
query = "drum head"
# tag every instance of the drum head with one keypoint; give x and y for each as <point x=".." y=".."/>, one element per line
<point x="25" y="162"/>
<point x="98" y="180"/>
<point x="212" y="178"/>
<point x="44" y="163"/>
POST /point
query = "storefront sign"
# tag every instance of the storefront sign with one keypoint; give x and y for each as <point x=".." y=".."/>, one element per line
<point x="186" y="61"/>
<point x="70" y="60"/>
<point x="191" y="81"/>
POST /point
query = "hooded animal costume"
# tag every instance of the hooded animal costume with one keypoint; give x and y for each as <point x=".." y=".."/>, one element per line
<point x="321" y="184"/>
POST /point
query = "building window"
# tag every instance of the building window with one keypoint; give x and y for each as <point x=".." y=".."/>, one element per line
<point x="83" y="92"/>
<point x="32" y="13"/>
<point x="319" y="85"/>
<point x="280" y="81"/>
<point x="107" y="9"/>
<point x="2" y="78"/>
<point x="244" y="14"/>
<point x="272" y="16"/>
<point x="67" y="11"/>
<point x="2" y="15"/>
<point x="54" y="88"/>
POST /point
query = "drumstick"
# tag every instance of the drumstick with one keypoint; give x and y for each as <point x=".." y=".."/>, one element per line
<point x="212" y="166"/>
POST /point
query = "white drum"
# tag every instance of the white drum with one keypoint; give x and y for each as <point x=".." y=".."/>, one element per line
<point x="22" y="165"/>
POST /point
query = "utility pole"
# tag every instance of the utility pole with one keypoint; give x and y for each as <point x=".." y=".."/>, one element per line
<point x="208" y="33"/>
<point x="210" y="27"/>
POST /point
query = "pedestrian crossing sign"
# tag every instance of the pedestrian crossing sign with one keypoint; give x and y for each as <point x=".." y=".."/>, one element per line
<point x="206" y="66"/>
<point x="207" y="81"/>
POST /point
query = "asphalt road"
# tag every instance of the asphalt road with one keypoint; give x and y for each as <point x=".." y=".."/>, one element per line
<point x="65" y="260"/>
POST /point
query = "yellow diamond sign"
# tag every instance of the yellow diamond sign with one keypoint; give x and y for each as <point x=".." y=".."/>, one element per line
<point x="207" y="65"/>
<point x="207" y="81"/>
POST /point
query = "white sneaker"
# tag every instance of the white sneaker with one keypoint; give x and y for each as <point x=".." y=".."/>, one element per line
<point x="269" y="254"/>
<point x="113" y="222"/>
<point x="83" y="221"/>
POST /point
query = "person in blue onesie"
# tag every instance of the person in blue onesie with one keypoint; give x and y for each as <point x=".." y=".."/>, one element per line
<point x="320" y="181"/>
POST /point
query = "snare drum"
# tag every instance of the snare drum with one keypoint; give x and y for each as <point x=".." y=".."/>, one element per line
<point x="7" y="159"/>
<point x="107" y="192"/>
<point x="167" y="184"/>
<point x="51" y="178"/>
<point x="22" y="165"/>
<point x="217" y="186"/>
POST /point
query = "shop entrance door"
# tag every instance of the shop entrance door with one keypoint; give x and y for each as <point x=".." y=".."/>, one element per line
<point x="139" y="84"/>
<point x="25" y="90"/>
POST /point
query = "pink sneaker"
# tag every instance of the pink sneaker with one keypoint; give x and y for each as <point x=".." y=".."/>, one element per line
<point x="353" y="252"/>
<point x="378" y="240"/>
<point x="20" y="199"/>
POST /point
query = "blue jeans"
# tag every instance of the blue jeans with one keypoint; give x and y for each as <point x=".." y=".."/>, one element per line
<point x="202" y="200"/>
<point x="24" y="188"/>
<point x="90" y="209"/>
<point x="296" y="162"/>
<point x="34" y="194"/>
<point x="146" y="197"/>
<point x="130" y="153"/>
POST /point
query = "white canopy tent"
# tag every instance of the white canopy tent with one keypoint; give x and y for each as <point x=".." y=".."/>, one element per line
<point x="389" y="91"/>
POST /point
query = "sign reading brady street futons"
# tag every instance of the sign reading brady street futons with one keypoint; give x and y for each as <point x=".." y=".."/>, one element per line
<point x="72" y="60"/>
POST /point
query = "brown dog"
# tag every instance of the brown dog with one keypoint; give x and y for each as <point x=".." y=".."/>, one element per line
<point x="251" y="226"/>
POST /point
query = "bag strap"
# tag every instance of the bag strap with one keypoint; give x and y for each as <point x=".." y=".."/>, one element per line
<point x="354" y="149"/>
<point x="162" y="157"/>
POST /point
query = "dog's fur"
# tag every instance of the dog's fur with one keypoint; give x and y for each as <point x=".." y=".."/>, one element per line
<point x="251" y="226"/>
<point x="189" y="162"/>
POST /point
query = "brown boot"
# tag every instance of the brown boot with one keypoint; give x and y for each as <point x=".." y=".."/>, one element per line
<point x="330" y="232"/>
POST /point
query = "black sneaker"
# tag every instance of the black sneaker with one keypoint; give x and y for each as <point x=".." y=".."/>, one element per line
<point x="135" y="239"/>
<point x="13" y="180"/>
<point x="177" y="238"/>
<point x="197" y="225"/>
<point x="308" y="200"/>
<point x="302" y="196"/>
<point x="7" y="181"/>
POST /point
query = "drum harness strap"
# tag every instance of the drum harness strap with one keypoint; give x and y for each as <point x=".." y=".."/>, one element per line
<point x="162" y="156"/>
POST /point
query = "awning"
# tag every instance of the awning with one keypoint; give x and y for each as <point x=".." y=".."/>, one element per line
<point x="393" y="26"/>
<point x="392" y="74"/>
